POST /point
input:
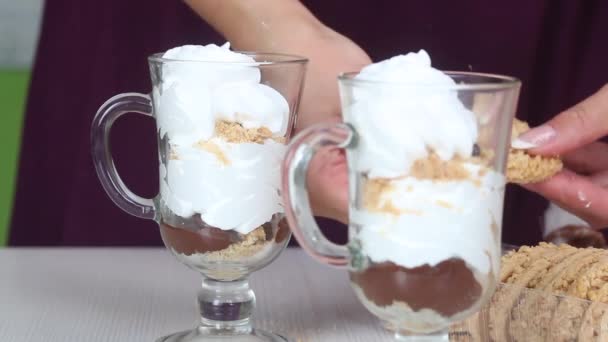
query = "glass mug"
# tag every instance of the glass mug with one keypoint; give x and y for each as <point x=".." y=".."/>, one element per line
<point x="424" y="244"/>
<point x="219" y="208"/>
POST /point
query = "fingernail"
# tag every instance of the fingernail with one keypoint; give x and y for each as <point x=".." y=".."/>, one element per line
<point x="534" y="138"/>
<point x="519" y="144"/>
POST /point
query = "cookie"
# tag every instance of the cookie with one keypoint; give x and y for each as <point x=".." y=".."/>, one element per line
<point x="523" y="167"/>
<point x="558" y="271"/>
<point x="594" y="326"/>
<point x="516" y="263"/>
<point x="567" y="320"/>
<point x="562" y="283"/>
<point x="509" y="296"/>
<point x="591" y="284"/>
<point x="561" y="270"/>
<point x="531" y="316"/>
<point x="540" y="304"/>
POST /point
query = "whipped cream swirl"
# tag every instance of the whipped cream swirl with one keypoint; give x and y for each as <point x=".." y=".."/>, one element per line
<point x="231" y="185"/>
<point x="403" y="109"/>
<point x="399" y="122"/>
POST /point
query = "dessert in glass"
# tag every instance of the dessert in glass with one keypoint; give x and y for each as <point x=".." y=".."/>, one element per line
<point x="223" y="119"/>
<point x="426" y="153"/>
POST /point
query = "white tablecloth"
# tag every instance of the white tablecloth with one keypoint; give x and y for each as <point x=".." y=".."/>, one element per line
<point x="140" y="294"/>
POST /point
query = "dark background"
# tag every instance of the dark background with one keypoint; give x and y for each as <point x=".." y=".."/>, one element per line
<point x="89" y="51"/>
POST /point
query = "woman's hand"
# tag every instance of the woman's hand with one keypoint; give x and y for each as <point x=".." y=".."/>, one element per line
<point x="330" y="54"/>
<point x="582" y="187"/>
<point x="287" y="26"/>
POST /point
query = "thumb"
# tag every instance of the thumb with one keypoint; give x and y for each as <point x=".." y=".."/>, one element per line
<point x="571" y="129"/>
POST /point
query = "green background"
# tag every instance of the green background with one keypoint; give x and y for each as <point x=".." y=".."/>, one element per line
<point x="13" y="90"/>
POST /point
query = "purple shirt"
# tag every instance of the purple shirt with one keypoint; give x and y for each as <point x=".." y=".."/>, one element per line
<point x="89" y="52"/>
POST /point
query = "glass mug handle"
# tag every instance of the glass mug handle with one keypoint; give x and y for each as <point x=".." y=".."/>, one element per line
<point x="111" y="110"/>
<point x="302" y="149"/>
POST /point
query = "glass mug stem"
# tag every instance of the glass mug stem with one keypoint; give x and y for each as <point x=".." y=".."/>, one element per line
<point x="297" y="205"/>
<point x="234" y="309"/>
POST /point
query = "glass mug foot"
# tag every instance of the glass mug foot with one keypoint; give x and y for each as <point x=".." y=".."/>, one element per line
<point x="438" y="336"/>
<point x="401" y="334"/>
<point x="205" y="334"/>
<point x="226" y="309"/>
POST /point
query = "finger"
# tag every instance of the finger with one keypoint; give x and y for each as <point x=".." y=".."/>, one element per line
<point x="577" y="194"/>
<point x="573" y="128"/>
<point x="327" y="181"/>
<point x="601" y="179"/>
<point x="589" y="159"/>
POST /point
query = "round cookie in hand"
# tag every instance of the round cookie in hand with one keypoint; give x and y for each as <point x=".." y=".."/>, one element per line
<point x="523" y="167"/>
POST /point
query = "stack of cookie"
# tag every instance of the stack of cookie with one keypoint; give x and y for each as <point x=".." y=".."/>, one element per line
<point x="547" y="292"/>
<point x="550" y="293"/>
<point x="563" y="270"/>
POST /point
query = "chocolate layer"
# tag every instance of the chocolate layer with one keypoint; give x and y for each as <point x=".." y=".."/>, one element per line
<point x="447" y="288"/>
<point x="283" y="231"/>
<point x="201" y="241"/>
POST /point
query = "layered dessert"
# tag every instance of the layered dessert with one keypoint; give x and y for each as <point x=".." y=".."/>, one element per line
<point x="222" y="136"/>
<point x="426" y="222"/>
